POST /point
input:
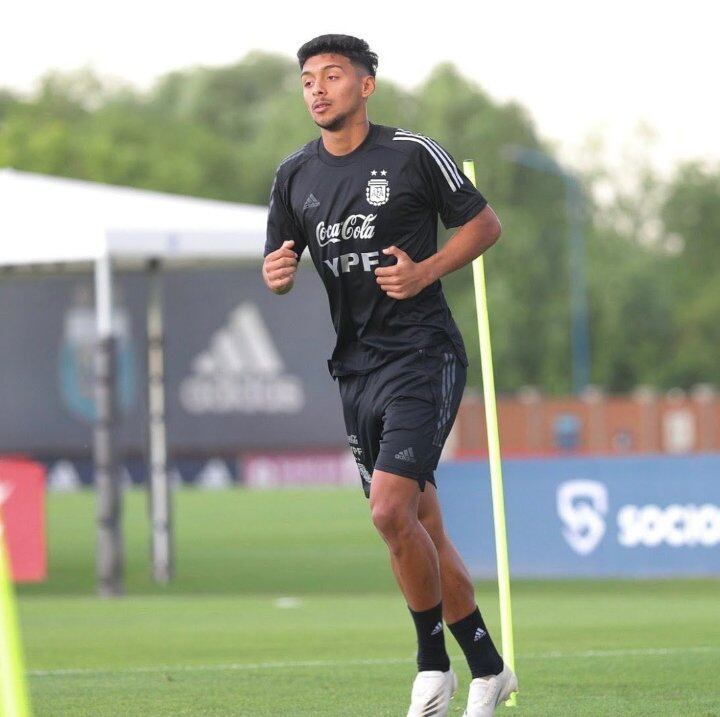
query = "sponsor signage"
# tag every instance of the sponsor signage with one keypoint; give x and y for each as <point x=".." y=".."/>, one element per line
<point x="573" y="517"/>
<point x="22" y="505"/>
<point x="244" y="369"/>
<point x="241" y="371"/>
<point x="272" y="470"/>
<point x="65" y="475"/>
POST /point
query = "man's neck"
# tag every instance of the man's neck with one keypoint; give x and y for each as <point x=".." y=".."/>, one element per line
<point x="347" y="139"/>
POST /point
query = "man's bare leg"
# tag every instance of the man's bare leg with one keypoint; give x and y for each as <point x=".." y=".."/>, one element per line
<point x="394" y="505"/>
<point x="394" y="502"/>
<point x="458" y="593"/>
<point x="459" y="608"/>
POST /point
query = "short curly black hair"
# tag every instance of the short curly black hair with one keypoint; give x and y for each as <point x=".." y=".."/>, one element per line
<point x="355" y="49"/>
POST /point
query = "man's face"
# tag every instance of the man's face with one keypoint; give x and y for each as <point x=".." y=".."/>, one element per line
<point x="334" y="89"/>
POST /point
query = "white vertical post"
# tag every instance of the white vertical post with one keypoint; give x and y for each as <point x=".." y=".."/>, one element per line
<point x="159" y="487"/>
<point x="107" y="479"/>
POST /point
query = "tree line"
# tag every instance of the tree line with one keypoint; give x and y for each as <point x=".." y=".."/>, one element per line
<point x="652" y="252"/>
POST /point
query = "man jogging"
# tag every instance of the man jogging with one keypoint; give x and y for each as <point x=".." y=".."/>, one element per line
<point x="364" y="199"/>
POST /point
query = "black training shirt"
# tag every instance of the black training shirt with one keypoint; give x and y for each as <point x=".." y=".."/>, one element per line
<point x="346" y="210"/>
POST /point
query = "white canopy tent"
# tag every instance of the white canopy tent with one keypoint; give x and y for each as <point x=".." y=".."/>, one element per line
<point x="54" y="222"/>
<point x="57" y="224"/>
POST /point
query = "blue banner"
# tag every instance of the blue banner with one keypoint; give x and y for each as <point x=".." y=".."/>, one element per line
<point x="586" y="517"/>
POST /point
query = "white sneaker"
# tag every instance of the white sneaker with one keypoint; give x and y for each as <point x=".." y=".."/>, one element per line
<point x="486" y="693"/>
<point x="431" y="693"/>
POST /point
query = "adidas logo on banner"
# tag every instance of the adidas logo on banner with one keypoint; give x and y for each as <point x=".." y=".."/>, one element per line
<point x="437" y="629"/>
<point x="241" y="371"/>
<point x="406" y="455"/>
<point x="479" y="634"/>
<point x="311" y="202"/>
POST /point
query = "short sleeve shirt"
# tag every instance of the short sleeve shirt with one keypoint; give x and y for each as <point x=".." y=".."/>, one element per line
<point x="345" y="210"/>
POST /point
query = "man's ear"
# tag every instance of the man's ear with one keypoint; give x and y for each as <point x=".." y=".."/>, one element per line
<point x="368" y="86"/>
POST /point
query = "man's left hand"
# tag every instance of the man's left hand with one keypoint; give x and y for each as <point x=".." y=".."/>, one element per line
<point x="403" y="279"/>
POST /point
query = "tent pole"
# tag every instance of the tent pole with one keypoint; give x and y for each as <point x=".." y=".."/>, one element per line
<point x="160" y="503"/>
<point x="107" y="477"/>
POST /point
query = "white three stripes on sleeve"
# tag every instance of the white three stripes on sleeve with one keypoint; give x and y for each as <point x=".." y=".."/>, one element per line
<point x="441" y="157"/>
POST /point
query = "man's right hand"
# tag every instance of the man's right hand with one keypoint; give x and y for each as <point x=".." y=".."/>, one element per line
<point x="279" y="268"/>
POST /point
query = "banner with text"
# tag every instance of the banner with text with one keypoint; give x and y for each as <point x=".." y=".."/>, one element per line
<point x="586" y="517"/>
<point x="244" y="369"/>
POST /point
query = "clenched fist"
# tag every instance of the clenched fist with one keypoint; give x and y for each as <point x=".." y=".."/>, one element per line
<point x="403" y="279"/>
<point x="279" y="268"/>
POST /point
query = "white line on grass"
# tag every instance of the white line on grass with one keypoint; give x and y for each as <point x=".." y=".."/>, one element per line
<point x="243" y="666"/>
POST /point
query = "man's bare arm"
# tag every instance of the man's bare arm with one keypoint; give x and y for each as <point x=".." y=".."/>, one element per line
<point x="407" y="278"/>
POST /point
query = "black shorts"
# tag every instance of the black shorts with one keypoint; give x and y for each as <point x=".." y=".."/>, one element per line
<point x="399" y="415"/>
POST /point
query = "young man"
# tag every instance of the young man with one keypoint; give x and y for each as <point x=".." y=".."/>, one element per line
<point x="364" y="199"/>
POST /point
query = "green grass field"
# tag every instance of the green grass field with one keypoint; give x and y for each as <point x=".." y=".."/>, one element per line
<point x="222" y="640"/>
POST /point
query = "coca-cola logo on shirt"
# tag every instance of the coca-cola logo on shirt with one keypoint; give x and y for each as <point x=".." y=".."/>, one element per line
<point x="356" y="226"/>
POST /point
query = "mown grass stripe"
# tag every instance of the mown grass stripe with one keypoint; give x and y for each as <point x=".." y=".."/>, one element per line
<point x="290" y="664"/>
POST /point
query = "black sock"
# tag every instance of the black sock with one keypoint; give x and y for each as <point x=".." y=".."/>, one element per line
<point x="474" y="639"/>
<point x="431" y="640"/>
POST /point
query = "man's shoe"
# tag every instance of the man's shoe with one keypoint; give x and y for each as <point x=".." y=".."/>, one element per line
<point x="431" y="693"/>
<point x="486" y="693"/>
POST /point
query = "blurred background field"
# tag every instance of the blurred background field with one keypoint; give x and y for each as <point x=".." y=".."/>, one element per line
<point x="251" y="542"/>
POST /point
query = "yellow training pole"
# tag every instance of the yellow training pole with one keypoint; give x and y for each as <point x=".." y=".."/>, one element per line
<point x="13" y="693"/>
<point x="496" y="481"/>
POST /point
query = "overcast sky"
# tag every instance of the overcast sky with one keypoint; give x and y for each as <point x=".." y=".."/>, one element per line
<point x="583" y="69"/>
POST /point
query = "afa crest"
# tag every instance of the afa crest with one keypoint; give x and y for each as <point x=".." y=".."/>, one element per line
<point x="377" y="191"/>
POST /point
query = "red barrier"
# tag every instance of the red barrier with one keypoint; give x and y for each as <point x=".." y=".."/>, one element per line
<point x="22" y="498"/>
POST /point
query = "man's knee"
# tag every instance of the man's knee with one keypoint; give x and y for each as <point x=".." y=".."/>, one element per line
<point x="393" y="505"/>
<point x="392" y="520"/>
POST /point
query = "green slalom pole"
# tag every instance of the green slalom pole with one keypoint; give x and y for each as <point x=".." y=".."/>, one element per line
<point x="13" y="693"/>
<point x="493" y="435"/>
